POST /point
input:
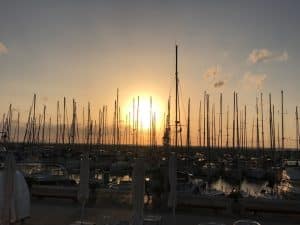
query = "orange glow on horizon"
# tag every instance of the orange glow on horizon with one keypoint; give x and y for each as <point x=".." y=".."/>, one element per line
<point x="144" y="110"/>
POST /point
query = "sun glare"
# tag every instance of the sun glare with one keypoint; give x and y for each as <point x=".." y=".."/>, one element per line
<point x="147" y="113"/>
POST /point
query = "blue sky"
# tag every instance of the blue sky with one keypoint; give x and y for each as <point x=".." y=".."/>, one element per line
<point x="86" y="49"/>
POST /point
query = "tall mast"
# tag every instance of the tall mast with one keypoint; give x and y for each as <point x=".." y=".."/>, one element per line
<point x="64" y="122"/>
<point x="227" y="127"/>
<point x="199" y="125"/>
<point x="18" y="127"/>
<point x="103" y="126"/>
<point x="245" y="129"/>
<point x="176" y="100"/>
<point x="278" y="133"/>
<point x="73" y="132"/>
<point x="83" y="126"/>
<point x="49" y="131"/>
<point x="119" y="126"/>
<point x="221" y="120"/>
<point x="297" y="129"/>
<point x="133" y="125"/>
<point x="44" y="121"/>
<point x="257" y="125"/>
<point x="188" y="140"/>
<point x="33" y="124"/>
<point x="118" y="119"/>
<point x="154" y="130"/>
<point x="204" y="123"/>
<point x="207" y="126"/>
<point x="89" y="125"/>
<point x="242" y="129"/>
<point x="9" y="119"/>
<point x="237" y="121"/>
<point x="214" y="126"/>
<point x="271" y="122"/>
<point x="167" y="132"/>
<point x="99" y="126"/>
<point x="114" y="123"/>
<point x="262" y="122"/>
<point x="150" y="122"/>
<point x="137" y="121"/>
<point x="282" y="122"/>
<point x="233" y="127"/>
<point x="27" y="125"/>
<point x="38" y="131"/>
<point x="252" y="135"/>
<point x="57" y="122"/>
<point x="126" y="129"/>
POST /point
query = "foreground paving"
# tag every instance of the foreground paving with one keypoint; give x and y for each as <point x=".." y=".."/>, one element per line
<point x="64" y="212"/>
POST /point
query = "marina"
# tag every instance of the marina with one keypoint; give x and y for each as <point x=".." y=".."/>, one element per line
<point x="131" y="113"/>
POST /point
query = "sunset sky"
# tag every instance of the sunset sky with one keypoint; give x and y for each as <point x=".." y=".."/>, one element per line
<point x="87" y="49"/>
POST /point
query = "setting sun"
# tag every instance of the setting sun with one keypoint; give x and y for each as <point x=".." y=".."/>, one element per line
<point x="147" y="112"/>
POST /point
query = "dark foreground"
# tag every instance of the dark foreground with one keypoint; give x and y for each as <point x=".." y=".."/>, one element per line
<point x="64" y="212"/>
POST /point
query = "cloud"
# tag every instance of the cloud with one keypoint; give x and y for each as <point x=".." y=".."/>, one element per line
<point x="212" y="73"/>
<point x="219" y="84"/>
<point x="265" y="55"/>
<point x="256" y="80"/>
<point x="3" y="49"/>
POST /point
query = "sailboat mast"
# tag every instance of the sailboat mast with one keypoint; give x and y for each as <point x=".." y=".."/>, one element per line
<point x="297" y="129"/>
<point x="207" y="121"/>
<point x="245" y="129"/>
<point x="282" y="122"/>
<point x="221" y="120"/>
<point x="151" y="123"/>
<point x="44" y="120"/>
<point x="176" y="100"/>
<point x="137" y="121"/>
<point x="237" y="121"/>
<point x="18" y="127"/>
<point x="233" y="127"/>
<point x="57" y="122"/>
<point x="49" y="131"/>
<point x="227" y="127"/>
<point x="199" y="125"/>
<point x="188" y="140"/>
<point x="33" y="124"/>
<point x="271" y="122"/>
<point x="257" y="126"/>
<point x="133" y="125"/>
<point x="204" y="123"/>
<point x="64" y="122"/>
<point x="118" y="119"/>
<point x="262" y="122"/>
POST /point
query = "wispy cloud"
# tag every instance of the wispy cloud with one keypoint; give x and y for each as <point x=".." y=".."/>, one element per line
<point x="219" y="84"/>
<point x="254" y="80"/>
<point x="212" y="73"/>
<point x="265" y="55"/>
<point x="3" y="49"/>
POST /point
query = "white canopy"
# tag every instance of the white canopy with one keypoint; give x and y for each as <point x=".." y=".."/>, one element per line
<point x="14" y="193"/>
